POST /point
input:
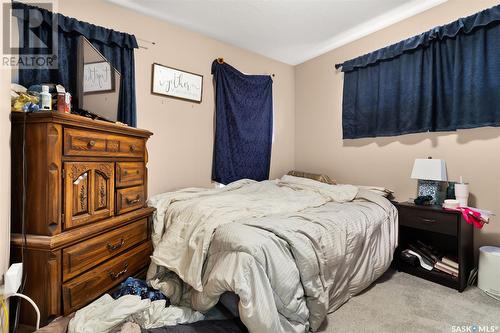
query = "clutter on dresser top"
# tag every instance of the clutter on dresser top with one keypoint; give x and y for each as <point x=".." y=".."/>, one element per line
<point x="48" y="97"/>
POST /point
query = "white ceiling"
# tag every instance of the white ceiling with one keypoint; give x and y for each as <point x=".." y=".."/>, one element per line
<point x="291" y="31"/>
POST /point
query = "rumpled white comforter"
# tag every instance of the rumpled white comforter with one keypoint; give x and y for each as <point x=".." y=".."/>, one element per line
<point x="292" y="249"/>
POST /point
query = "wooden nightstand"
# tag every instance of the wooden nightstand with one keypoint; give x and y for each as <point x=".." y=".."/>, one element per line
<point x="442" y="229"/>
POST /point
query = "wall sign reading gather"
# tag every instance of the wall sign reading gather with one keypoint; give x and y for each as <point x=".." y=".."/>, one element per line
<point x="171" y="82"/>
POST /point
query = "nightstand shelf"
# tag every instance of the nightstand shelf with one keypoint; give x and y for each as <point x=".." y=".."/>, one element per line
<point x="434" y="276"/>
<point x="442" y="229"/>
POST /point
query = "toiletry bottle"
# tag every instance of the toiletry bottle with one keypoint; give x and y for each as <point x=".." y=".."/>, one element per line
<point x="462" y="193"/>
<point x="45" y="99"/>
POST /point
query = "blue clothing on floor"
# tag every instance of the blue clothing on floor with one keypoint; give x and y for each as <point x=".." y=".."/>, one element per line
<point x="133" y="286"/>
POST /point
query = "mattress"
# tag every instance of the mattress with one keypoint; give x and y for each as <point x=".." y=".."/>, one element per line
<point x="291" y="249"/>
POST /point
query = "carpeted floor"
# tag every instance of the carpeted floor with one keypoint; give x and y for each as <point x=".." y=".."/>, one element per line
<point x="399" y="302"/>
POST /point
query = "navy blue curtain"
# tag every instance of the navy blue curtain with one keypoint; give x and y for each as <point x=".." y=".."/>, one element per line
<point x="243" y="125"/>
<point x="445" y="79"/>
<point x="116" y="46"/>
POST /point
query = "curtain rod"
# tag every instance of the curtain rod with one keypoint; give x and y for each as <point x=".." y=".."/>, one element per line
<point x="145" y="41"/>
<point x="220" y="60"/>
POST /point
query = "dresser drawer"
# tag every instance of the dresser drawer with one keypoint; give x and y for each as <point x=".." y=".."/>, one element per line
<point x="129" y="174"/>
<point x="429" y="220"/>
<point x="87" y="254"/>
<point x="128" y="199"/>
<point x="91" y="143"/>
<point x="86" y="287"/>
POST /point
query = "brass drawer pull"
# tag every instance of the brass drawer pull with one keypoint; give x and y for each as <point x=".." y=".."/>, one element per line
<point x="425" y="220"/>
<point x="125" y="173"/>
<point x="91" y="143"/>
<point x="134" y="201"/>
<point x="115" y="276"/>
<point x="113" y="247"/>
<point x="133" y="147"/>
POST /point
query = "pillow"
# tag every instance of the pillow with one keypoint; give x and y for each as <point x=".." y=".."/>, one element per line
<point x="385" y="192"/>
<point x="320" y="178"/>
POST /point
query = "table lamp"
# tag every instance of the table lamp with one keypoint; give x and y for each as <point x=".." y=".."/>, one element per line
<point x="431" y="175"/>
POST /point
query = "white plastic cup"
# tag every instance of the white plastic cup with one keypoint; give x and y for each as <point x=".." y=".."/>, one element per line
<point x="462" y="194"/>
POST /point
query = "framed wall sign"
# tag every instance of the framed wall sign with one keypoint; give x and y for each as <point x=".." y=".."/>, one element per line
<point x="98" y="77"/>
<point x="172" y="82"/>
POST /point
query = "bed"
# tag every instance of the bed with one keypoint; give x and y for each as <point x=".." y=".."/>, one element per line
<point x="292" y="249"/>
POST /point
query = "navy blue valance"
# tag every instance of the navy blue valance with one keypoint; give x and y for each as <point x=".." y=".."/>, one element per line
<point x="70" y="25"/>
<point x="243" y="125"/>
<point x="116" y="47"/>
<point x="464" y="25"/>
<point x="443" y="80"/>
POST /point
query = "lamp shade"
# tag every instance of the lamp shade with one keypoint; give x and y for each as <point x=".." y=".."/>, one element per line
<point x="429" y="169"/>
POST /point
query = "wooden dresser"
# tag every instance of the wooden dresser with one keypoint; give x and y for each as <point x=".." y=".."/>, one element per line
<point x="86" y="223"/>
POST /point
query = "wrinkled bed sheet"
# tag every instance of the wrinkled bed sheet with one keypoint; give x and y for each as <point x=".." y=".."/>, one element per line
<point x="107" y="314"/>
<point x="291" y="249"/>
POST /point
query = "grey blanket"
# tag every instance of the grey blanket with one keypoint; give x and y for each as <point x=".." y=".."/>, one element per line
<point x="291" y="268"/>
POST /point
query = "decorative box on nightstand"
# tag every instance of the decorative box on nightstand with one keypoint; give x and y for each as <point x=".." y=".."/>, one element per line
<point x="442" y="229"/>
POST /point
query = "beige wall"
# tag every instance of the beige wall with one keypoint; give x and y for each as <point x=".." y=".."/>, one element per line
<point x="307" y="102"/>
<point x="474" y="154"/>
<point x="180" y="152"/>
<point x="4" y="169"/>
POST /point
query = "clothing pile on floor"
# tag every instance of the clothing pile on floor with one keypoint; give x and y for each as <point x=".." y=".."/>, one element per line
<point x="133" y="286"/>
<point x="138" y="308"/>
